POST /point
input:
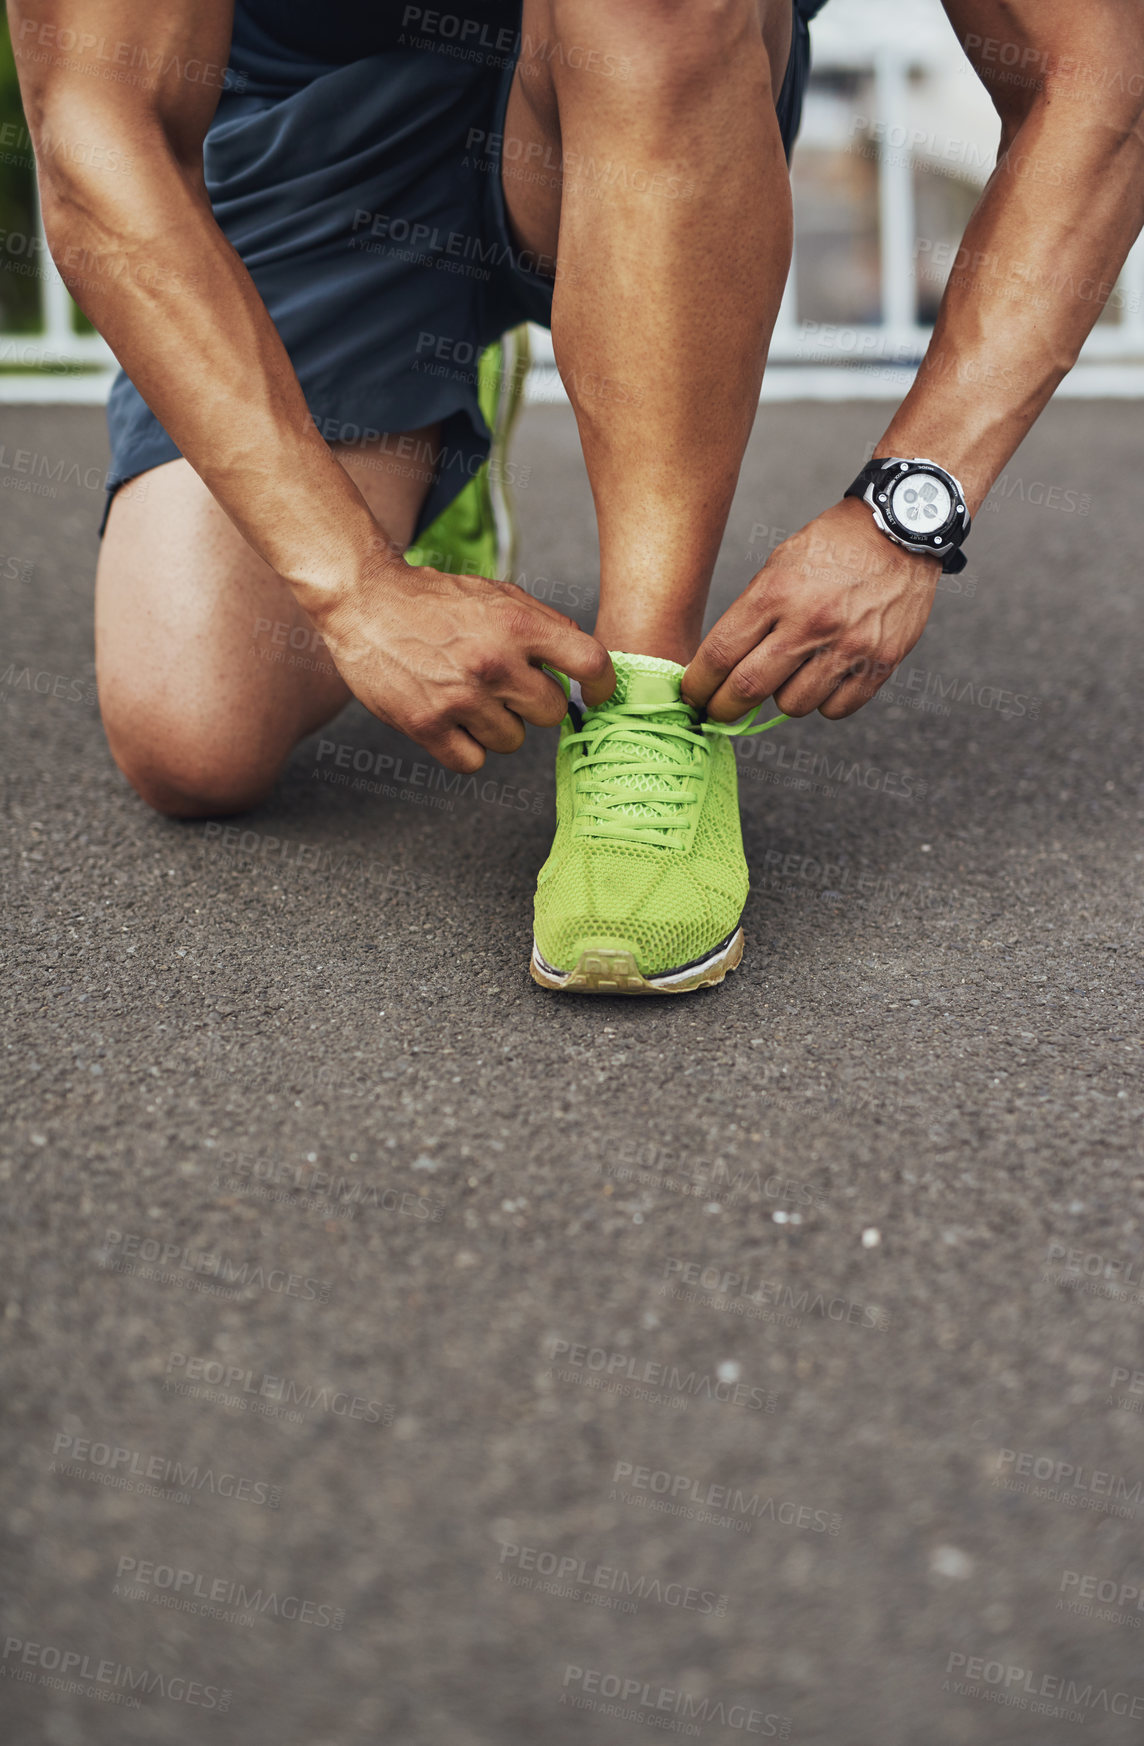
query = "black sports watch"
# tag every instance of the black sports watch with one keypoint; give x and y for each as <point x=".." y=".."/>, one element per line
<point x="919" y="506"/>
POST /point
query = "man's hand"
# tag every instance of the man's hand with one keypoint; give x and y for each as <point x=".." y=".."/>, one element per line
<point x="822" y="626"/>
<point x="455" y="661"/>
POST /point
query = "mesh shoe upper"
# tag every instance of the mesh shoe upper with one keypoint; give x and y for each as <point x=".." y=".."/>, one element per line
<point x="648" y="854"/>
<point x="475" y="535"/>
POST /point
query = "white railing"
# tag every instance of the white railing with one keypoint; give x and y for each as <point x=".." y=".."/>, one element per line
<point x="86" y="359"/>
<point x="888" y="42"/>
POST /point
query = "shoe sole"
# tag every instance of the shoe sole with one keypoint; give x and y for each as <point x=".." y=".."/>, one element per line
<point x="616" y="972"/>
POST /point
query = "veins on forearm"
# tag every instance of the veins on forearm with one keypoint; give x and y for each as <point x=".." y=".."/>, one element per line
<point x="1038" y="263"/>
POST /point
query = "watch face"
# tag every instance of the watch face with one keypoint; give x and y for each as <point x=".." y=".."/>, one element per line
<point x="921" y="505"/>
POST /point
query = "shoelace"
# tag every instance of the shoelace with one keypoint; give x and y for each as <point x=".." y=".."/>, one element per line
<point x="604" y="791"/>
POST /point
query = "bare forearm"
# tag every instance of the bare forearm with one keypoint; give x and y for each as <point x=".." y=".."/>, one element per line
<point x="837" y="607"/>
<point x="1039" y="260"/>
<point x="150" y="267"/>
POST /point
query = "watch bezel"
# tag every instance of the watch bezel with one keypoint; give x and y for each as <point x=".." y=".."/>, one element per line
<point x="880" y="493"/>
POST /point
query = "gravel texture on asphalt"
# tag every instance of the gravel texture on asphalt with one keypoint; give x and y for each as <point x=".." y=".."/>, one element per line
<point x="395" y="1353"/>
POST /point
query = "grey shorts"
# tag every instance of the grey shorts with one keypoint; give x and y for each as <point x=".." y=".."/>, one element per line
<point x="365" y="199"/>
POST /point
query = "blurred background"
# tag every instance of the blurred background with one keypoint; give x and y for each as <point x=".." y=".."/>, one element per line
<point x="897" y="142"/>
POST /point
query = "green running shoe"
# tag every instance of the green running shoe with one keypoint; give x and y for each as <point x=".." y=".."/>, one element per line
<point x="476" y="534"/>
<point x="647" y="879"/>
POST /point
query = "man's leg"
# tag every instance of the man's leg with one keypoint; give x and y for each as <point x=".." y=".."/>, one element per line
<point x="673" y="230"/>
<point x="209" y="671"/>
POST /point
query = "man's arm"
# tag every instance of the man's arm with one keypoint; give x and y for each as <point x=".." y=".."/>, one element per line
<point x="838" y="606"/>
<point x="451" y="661"/>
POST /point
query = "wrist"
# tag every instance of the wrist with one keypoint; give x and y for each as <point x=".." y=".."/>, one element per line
<point x="337" y="589"/>
<point x="848" y="537"/>
<point x="966" y="453"/>
<point x="846" y="545"/>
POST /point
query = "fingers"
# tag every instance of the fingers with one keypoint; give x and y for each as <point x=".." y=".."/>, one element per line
<point x="740" y="630"/>
<point x="845" y="701"/>
<point x="801" y="682"/>
<point x="457" y="750"/>
<point x="574" y="652"/>
<point x="517" y="592"/>
<point x="463" y="675"/>
<point x="857" y="689"/>
<point x="560" y="643"/>
<point x="761" y="674"/>
<point x="597" y="690"/>
<point x="812" y="684"/>
<point x="493" y="726"/>
<point x="804" y="661"/>
<point x="484" y="728"/>
<point x="821" y="682"/>
<point x="535" y="697"/>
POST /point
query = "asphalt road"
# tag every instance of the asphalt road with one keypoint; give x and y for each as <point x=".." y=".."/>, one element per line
<point x="394" y="1353"/>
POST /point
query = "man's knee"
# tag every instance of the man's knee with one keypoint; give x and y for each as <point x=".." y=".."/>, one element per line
<point x="183" y="764"/>
<point x="653" y="15"/>
<point x="660" y="41"/>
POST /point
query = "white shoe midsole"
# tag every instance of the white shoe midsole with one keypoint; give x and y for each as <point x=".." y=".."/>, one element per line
<point x="667" y="979"/>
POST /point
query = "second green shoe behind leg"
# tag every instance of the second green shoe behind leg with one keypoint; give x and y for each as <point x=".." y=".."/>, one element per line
<point x="646" y="882"/>
<point x="476" y="535"/>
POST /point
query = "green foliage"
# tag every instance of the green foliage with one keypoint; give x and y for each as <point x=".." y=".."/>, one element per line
<point x="19" y="300"/>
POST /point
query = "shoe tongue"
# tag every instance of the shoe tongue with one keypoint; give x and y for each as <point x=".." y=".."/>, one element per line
<point x="645" y="679"/>
<point x="645" y="688"/>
